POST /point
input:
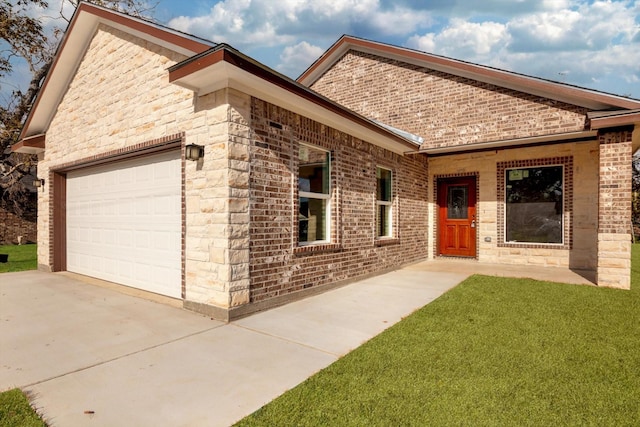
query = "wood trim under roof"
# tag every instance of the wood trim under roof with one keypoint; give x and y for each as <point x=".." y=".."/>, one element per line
<point x="610" y="119"/>
<point x="32" y="145"/>
<point x="574" y="95"/>
<point x="223" y="66"/>
<point x="581" y="136"/>
<point x="79" y="33"/>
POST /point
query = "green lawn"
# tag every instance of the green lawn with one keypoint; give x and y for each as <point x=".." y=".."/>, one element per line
<point x="491" y="352"/>
<point x="16" y="412"/>
<point x="21" y="258"/>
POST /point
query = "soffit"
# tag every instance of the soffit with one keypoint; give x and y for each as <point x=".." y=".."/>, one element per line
<point x="582" y="136"/>
<point x="224" y="67"/>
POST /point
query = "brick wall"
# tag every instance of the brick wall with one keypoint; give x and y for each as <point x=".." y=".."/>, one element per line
<point x="444" y="109"/>
<point x="614" y="209"/>
<point x="12" y="226"/>
<point x="278" y="266"/>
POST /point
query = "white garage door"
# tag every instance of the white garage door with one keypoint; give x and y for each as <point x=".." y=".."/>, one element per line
<point x="124" y="223"/>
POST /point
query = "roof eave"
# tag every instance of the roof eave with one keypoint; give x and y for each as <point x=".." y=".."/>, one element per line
<point x="512" y="143"/>
<point x="574" y="95"/>
<point x="32" y="145"/>
<point x="79" y="33"/>
<point x="615" y="119"/>
<point x="223" y="67"/>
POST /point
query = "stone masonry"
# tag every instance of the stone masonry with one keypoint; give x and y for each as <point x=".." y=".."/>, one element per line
<point x="118" y="106"/>
<point x="579" y="250"/>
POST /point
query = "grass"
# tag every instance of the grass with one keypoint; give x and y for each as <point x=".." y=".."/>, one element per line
<point x="493" y="351"/>
<point x="21" y="258"/>
<point x="15" y="411"/>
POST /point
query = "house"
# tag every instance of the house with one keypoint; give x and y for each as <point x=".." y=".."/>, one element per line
<point x="185" y="168"/>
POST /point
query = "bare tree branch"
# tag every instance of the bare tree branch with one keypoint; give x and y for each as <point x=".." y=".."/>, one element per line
<point x="24" y="38"/>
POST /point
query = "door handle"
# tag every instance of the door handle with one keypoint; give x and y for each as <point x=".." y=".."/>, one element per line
<point x="473" y="224"/>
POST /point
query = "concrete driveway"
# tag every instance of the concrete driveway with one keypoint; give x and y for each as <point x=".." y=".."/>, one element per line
<point x="93" y="356"/>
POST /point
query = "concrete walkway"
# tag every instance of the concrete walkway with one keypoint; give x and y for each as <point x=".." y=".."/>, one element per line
<point x="92" y="356"/>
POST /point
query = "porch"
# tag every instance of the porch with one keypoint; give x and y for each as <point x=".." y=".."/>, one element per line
<point x="471" y="266"/>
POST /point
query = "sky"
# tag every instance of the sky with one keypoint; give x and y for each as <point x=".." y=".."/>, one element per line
<point x="592" y="44"/>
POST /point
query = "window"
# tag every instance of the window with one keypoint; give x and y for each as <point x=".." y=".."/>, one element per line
<point x="314" y="190"/>
<point x="383" y="203"/>
<point x="534" y="204"/>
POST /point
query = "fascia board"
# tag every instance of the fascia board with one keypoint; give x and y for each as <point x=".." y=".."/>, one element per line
<point x="222" y="75"/>
<point x="511" y="143"/>
<point x="616" y="120"/>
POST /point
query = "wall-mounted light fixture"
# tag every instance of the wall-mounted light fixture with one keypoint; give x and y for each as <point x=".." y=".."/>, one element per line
<point x="193" y="152"/>
<point x="38" y="183"/>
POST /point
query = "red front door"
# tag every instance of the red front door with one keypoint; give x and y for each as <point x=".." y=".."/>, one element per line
<point x="457" y="217"/>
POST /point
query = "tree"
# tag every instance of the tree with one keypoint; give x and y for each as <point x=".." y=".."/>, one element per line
<point x="26" y="43"/>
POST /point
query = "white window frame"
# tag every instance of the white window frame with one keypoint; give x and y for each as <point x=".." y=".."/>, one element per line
<point x="562" y="218"/>
<point x="317" y="196"/>
<point x="384" y="203"/>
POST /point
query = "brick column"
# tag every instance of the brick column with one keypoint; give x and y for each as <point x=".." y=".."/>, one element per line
<point x="614" y="209"/>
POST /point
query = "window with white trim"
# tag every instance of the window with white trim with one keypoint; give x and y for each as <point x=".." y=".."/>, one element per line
<point x="314" y="192"/>
<point x="534" y="204"/>
<point x="384" y="202"/>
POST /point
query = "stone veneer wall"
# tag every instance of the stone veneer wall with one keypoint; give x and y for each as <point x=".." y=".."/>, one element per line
<point x="579" y="250"/>
<point x="278" y="266"/>
<point x="13" y="226"/>
<point x="120" y="98"/>
<point x="444" y="109"/>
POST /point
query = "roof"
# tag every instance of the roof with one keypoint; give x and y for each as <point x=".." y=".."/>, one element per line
<point x="606" y="119"/>
<point x="79" y="33"/>
<point x="587" y="98"/>
<point x="209" y="67"/>
<point x="224" y="66"/>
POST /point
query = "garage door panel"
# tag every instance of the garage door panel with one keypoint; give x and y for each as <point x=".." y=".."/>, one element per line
<point x="124" y="223"/>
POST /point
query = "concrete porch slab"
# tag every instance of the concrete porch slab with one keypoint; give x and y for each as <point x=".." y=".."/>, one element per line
<point x="470" y="266"/>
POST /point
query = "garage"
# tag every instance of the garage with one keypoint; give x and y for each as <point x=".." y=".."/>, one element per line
<point x="124" y="222"/>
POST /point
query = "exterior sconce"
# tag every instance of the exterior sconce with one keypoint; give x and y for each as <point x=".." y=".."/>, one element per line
<point x="38" y="183"/>
<point x="193" y="152"/>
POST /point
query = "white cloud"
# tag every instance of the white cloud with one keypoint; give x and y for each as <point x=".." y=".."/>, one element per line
<point x="399" y="20"/>
<point x="425" y="43"/>
<point x="589" y="26"/>
<point x="294" y="59"/>
<point x="269" y="23"/>
<point x="477" y="42"/>
<point x="594" y="43"/>
<point x="582" y="43"/>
